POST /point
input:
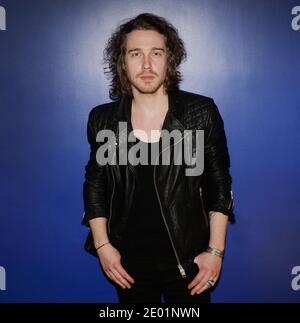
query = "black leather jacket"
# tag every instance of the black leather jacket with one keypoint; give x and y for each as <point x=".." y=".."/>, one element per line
<point x="184" y="200"/>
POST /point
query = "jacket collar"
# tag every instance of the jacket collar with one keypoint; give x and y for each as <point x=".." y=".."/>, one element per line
<point x="173" y="118"/>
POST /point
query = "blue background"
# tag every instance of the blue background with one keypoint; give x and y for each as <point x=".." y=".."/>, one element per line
<point x="244" y="54"/>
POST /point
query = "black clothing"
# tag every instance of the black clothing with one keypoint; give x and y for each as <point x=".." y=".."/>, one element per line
<point x="146" y="238"/>
<point x="185" y="201"/>
<point x="153" y="282"/>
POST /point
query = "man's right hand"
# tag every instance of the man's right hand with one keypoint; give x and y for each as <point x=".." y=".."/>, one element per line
<point x="110" y="259"/>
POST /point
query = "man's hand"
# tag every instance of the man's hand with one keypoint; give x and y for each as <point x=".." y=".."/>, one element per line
<point x="110" y="259"/>
<point x="209" y="268"/>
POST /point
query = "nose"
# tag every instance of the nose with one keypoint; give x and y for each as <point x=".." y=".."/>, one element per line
<point x="146" y="62"/>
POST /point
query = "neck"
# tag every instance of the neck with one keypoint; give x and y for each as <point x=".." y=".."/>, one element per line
<point x="150" y="103"/>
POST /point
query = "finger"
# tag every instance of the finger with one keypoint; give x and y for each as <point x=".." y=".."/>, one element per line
<point x="108" y="274"/>
<point x="205" y="287"/>
<point x="115" y="279"/>
<point x="124" y="273"/>
<point x="197" y="279"/>
<point x="202" y="284"/>
<point x="121" y="278"/>
<point x="207" y="277"/>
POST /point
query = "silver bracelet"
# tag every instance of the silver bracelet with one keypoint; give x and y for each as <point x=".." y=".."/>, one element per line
<point x="215" y="252"/>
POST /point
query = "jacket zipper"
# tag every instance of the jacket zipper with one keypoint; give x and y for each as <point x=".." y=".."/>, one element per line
<point x="231" y="201"/>
<point x="112" y="195"/>
<point x="202" y="205"/>
<point x="112" y="175"/>
<point x="111" y="200"/>
<point x="180" y="267"/>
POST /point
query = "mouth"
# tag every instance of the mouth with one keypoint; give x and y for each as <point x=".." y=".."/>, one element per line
<point x="147" y="77"/>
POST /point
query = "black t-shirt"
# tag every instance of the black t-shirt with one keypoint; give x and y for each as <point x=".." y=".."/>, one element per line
<point x="146" y="238"/>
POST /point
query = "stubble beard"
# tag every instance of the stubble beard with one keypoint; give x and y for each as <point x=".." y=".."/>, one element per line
<point x="144" y="88"/>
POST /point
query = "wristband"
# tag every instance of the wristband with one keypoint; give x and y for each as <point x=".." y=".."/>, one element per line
<point x="103" y="244"/>
<point x="215" y="252"/>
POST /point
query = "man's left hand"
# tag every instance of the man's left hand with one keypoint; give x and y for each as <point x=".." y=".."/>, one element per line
<point x="209" y="271"/>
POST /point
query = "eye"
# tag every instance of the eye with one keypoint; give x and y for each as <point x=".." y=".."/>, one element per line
<point x="157" y="53"/>
<point x="135" y="54"/>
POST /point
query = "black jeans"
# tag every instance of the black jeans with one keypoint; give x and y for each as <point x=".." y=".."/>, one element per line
<point x="156" y="280"/>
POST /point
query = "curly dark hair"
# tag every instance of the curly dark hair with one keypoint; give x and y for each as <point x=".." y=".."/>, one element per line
<point x="114" y="53"/>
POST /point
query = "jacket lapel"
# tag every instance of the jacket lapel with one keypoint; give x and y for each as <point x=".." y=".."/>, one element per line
<point x="172" y="121"/>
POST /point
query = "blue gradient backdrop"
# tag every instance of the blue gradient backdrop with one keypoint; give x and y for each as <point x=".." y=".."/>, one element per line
<point x="244" y="54"/>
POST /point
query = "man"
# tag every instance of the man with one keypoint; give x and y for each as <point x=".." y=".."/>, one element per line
<point x="157" y="232"/>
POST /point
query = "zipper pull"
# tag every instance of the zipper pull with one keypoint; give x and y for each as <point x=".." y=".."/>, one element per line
<point x="182" y="271"/>
<point x="231" y="203"/>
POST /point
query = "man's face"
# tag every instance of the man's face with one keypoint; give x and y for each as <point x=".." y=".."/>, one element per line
<point x="146" y="55"/>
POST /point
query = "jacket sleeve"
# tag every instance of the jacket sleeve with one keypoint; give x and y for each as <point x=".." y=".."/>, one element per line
<point x="217" y="164"/>
<point x="94" y="186"/>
